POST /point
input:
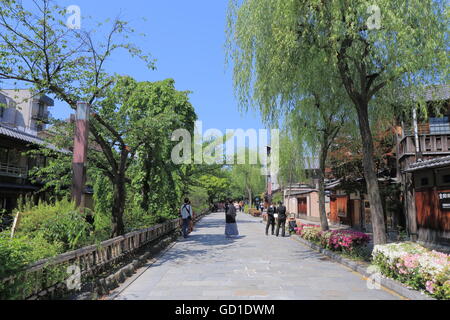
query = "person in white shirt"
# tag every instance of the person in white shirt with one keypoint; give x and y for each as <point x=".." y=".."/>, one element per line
<point x="186" y="215"/>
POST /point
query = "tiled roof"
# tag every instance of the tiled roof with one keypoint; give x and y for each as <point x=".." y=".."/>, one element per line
<point x="429" y="164"/>
<point x="437" y="93"/>
<point x="26" y="137"/>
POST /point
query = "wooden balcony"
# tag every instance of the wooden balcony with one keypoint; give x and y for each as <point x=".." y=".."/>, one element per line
<point x="7" y="170"/>
<point x="431" y="145"/>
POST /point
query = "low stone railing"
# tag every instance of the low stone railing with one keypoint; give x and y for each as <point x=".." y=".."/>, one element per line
<point x="70" y="270"/>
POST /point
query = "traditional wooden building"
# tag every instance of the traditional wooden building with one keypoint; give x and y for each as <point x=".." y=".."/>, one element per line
<point x="431" y="183"/>
<point x="22" y="117"/>
<point x="423" y="147"/>
<point x="302" y="201"/>
<point x="351" y="209"/>
<point x="15" y="165"/>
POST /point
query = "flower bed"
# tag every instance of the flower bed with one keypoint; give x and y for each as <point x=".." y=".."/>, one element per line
<point x="415" y="266"/>
<point x="336" y="240"/>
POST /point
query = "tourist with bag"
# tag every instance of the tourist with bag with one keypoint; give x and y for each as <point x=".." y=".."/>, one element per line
<point x="186" y="215"/>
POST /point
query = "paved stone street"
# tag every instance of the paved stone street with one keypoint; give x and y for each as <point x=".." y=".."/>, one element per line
<point x="207" y="266"/>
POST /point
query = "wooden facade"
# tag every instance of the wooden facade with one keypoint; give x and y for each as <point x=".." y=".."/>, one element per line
<point x="431" y="183"/>
<point x="430" y="214"/>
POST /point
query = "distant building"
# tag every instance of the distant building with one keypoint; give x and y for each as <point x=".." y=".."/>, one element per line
<point x="25" y="111"/>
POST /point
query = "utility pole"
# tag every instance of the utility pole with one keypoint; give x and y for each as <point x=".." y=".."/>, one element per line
<point x="80" y="148"/>
<point x="269" y="178"/>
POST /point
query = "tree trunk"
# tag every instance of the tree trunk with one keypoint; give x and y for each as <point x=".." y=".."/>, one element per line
<point x="290" y="190"/>
<point x="373" y="190"/>
<point x="322" y="210"/>
<point x="118" y="208"/>
<point x="145" y="205"/>
<point x="250" y="200"/>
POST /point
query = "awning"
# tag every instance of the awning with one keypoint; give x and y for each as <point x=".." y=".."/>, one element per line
<point x="429" y="164"/>
<point x="26" y="137"/>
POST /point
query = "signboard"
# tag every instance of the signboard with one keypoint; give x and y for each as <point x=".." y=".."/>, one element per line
<point x="444" y="200"/>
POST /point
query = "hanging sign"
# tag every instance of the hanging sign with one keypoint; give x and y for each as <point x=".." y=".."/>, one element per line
<point x="444" y="200"/>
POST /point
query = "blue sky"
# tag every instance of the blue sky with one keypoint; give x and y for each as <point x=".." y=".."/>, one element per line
<point x="187" y="39"/>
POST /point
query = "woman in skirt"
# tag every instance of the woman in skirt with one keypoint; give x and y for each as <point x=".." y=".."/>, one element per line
<point x="231" y="228"/>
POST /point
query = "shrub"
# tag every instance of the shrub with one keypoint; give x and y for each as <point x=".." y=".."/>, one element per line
<point x="311" y="234"/>
<point x="60" y="222"/>
<point x="302" y="226"/>
<point x="344" y="240"/>
<point x="347" y="241"/>
<point x="69" y="228"/>
<point x="415" y="266"/>
<point x="15" y="255"/>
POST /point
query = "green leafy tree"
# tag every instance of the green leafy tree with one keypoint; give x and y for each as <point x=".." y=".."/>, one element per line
<point x="37" y="49"/>
<point x="247" y="178"/>
<point x="140" y="118"/>
<point x="217" y="188"/>
<point x="275" y="43"/>
<point x="131" y="148"/>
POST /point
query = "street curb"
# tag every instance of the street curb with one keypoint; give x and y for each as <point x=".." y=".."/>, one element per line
<point x="361" y="267"/>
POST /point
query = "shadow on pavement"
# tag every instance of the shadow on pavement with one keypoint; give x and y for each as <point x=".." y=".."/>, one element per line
<point x="211" y="239"/>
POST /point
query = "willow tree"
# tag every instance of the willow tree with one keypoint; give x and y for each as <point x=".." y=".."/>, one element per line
<point x="374" y="50"/>
<point x="315" y="123"/>
<point x="247" y="178"/>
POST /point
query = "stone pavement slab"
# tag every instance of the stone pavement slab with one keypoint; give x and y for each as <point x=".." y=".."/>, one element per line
<point x="207" y="266"/>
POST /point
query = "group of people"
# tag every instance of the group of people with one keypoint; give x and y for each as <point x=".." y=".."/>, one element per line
<point x="272" y="214"/>
<point x="231" y="208"/>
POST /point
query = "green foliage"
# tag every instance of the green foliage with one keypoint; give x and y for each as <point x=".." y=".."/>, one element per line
<point x="68" y="227"/>
<point x="199" y="199"/>
<point x="278" y="44"/>
<point x="59" y="223"/>
<point x="247" y="180"/>
<point x="216" y="188"/>
<point x="277" y="198"/>
<point x="18" y="253"/>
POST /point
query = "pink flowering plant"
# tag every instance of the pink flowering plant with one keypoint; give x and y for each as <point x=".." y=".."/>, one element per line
<point x="336" y="240"/>
<point x="344" y="240"/>
<point x="416" y="266"/>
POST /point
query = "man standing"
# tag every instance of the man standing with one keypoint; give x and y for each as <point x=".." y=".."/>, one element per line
<point x="270" y="219"/>
<point x="281" y="219"/>
<point x="186" y="215"/>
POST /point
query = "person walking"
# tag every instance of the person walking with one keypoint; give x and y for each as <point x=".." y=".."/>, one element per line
<point x="186" y="215"/>
<point x="281" y="219"/>
<point x="231" y="228"/>
<point x="270" y="219"/>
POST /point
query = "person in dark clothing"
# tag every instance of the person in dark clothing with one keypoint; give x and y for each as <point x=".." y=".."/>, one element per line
<point x="186" y="215"/>
<point x="281" y="219"/>
<point x="270" y="219"/>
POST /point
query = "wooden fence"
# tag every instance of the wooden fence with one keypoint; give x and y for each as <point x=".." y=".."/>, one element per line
<point x="51" y="275"/>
